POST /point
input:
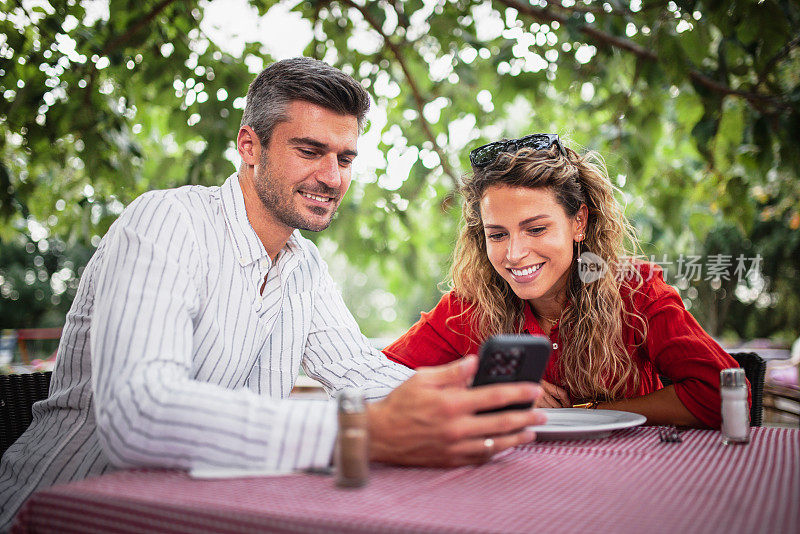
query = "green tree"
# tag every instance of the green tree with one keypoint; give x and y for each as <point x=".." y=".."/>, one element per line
<point x="38" y="281"/>
<point x="694" y="104"/>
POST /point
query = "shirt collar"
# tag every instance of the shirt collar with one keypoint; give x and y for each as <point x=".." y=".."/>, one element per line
<point x="246" y="244"/>
<point x="530" y="323"/>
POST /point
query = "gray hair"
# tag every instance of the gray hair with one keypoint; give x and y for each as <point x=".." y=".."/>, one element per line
<point x="303" y="79"/>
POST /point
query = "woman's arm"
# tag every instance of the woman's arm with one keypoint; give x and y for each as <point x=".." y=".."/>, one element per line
<point x="661" y="407"/>
<point x="682" y="351"/>
<point x="440" y="336"/>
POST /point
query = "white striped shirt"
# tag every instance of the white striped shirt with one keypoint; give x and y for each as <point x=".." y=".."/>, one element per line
<point x="172" y="357"/>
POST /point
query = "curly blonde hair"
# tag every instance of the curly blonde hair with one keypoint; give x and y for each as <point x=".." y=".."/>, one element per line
<point x="594" y="362"/>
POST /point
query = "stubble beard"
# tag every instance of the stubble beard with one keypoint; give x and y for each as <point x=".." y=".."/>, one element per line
<point x="280" y="203"/>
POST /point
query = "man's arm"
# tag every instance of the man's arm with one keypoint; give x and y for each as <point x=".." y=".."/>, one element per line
<point x="430" y="418"/>
<point x="150" y="410"/>
<point x="337" y="353"/>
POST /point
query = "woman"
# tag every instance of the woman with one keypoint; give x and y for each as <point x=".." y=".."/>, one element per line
<point x="542" y="251"/>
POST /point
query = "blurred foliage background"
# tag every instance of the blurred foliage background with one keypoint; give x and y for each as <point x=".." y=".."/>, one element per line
<point x="695" y="106"/>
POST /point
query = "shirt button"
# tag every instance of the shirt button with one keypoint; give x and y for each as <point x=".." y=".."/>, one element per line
<point x="555" y="346"/>
<point x="263" y="262"/>
<point x="242" y="260"/>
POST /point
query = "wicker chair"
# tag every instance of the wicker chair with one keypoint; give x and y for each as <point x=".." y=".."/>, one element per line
<point x="17" y="395"/>
<point x="755" y="368"/>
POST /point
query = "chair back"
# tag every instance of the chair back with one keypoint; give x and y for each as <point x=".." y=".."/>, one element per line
<point x="17" y="395"/>
<point x="755" y="369"/>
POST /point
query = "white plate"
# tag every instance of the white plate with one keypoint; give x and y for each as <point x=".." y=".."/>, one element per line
<point x="579" y="423"/>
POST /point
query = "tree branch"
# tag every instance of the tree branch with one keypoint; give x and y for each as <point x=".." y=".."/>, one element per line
<point x="419" y="101"/>
<point x="115" y="43"/>
<point x="577" y="8"/>
<point x="616" y="11"/>
<point x="314" y="25"/>
<point x="144" y="21"/>
<point x="757" y="100"/>
<point x="782" y="53"/>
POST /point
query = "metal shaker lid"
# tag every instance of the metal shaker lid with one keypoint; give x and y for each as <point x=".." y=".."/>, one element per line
<point x="732" y="377"/>
<point x="350" y="400"/>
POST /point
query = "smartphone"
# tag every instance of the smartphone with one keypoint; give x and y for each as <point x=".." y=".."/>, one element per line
<point x="512" y="358"/>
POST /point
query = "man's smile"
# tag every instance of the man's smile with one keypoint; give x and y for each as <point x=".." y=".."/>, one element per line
<point x="317" y="197"/>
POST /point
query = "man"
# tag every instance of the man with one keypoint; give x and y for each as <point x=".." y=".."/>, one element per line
<point x="200" y="304"/>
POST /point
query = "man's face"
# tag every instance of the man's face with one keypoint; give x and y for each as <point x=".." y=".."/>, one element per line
<point x="305" y="169"/>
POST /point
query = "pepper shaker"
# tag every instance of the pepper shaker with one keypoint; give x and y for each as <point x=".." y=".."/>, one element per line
<point x="352" y="443"/>
<point x="735" y="416"/>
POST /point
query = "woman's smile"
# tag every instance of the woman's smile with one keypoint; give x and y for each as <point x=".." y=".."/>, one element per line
<point x="525" y="275"/>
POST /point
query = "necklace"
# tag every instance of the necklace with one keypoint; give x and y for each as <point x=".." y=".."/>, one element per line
<point x="550" y="320"/>
<point x="546" y="323"/>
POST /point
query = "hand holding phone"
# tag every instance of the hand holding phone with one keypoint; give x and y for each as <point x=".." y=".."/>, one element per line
<point x="512" y="358"/>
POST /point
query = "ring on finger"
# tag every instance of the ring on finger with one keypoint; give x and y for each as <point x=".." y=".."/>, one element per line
<point x="488" y="444"/>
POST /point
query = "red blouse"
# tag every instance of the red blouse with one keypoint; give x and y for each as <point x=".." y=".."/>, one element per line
<point x="676" y="346"/>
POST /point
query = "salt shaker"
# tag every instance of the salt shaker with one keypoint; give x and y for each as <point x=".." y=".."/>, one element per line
<point x="352" y="443"/>
<point x="735" y="420"/>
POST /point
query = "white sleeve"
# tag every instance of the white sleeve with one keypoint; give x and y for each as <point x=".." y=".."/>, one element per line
<point x="149" y="410"/>
<point x="338" y="355"/>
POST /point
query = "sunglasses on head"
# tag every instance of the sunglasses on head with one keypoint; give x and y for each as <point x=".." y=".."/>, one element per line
<point x="486" y="154"/>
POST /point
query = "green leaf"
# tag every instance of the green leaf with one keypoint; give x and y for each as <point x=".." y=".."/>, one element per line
<point x="729" y="133"/>
<point x="688" y="108"/>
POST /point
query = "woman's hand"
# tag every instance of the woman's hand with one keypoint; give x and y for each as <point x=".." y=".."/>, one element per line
<point x="553" y="397"/>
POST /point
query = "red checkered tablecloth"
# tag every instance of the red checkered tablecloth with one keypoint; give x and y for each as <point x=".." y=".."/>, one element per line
<point x="629" y="482"/>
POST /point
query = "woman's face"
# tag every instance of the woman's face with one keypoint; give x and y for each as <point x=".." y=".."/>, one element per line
<point x="530" y="239"/>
